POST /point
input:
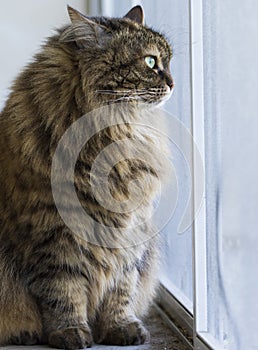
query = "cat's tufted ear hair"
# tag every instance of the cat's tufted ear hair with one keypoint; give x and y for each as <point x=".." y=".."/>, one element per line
<point x="136" y="14"/>
<point x="76" y="16"/>
<point x="84" y="31"/>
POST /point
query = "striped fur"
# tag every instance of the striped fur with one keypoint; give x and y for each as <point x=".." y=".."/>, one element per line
<point x="57" y="288"/>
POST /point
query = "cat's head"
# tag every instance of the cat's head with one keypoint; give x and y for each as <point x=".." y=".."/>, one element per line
<point x="120" y="58"/>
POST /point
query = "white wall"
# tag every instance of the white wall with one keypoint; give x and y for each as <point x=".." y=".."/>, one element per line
<point x="23" y="27"/>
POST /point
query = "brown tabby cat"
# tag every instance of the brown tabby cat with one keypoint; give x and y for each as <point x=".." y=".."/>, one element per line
<point x="57" y="287"/>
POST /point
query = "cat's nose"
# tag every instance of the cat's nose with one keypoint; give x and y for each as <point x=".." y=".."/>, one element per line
<point x="165" y="75"/>
<point x="169" y="81"/>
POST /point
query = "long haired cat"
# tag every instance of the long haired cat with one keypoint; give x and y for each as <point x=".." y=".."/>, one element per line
<point x="57" y="287"/>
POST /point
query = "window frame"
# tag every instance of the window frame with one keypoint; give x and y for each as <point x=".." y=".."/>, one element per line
<point x="174" y="313"/>
<point x="168" y="305"/>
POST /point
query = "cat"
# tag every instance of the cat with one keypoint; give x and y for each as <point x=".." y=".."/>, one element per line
<point x="57" y="288"/>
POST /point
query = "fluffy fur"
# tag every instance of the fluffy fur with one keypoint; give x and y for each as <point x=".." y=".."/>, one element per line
<point x="56" y="287"/>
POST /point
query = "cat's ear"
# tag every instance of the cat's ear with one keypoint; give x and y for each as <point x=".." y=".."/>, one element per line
<point x="83" y="31"/>
<point x="76" y="16"/>
<point x="136" y="14"/>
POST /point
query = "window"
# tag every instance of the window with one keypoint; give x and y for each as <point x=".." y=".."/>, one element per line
<point x="215" y="69"/>
<point x="177" y="268"/>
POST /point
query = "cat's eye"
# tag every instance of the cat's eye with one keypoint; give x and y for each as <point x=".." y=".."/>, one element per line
<point x="150" y="61"/>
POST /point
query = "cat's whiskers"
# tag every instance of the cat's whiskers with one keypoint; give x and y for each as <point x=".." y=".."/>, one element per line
<point x="125" y="95"/>
<point x="131" y="92"/>
<point x="149" y="95"/>
<point x="117" y="92"/>
<point x="126" y="98"/>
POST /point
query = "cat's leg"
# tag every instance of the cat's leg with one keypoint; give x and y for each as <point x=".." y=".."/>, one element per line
<point x="117" y="323"/>
<point x="20" y="320"/>
<point x="148" y="281"/>
<point x="119" y="317"/>
<point x="59" y="285"/>
<point x="62" y="300"/>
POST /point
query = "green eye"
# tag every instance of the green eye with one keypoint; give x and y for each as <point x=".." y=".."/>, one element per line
<point x="150" y="61"/>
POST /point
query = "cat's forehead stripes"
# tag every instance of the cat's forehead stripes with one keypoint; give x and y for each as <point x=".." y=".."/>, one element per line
<point x="133" y="31"/>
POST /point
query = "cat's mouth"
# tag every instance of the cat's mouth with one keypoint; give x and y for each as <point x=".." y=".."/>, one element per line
<point x="166" y="97"/>
<point x="158" y="96"/>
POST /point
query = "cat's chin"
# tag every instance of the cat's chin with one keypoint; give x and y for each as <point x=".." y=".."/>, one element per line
<point x="165" y="99"/>
<point x="162" y="101"/>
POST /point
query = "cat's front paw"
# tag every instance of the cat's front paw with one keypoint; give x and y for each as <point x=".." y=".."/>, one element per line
<point x="70" y="338"/>
<point x="25" y="338"/>
<point x="126" y="333"/>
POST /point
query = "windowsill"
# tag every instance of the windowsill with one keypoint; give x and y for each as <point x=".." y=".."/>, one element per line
<point x="162" y="338"/>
